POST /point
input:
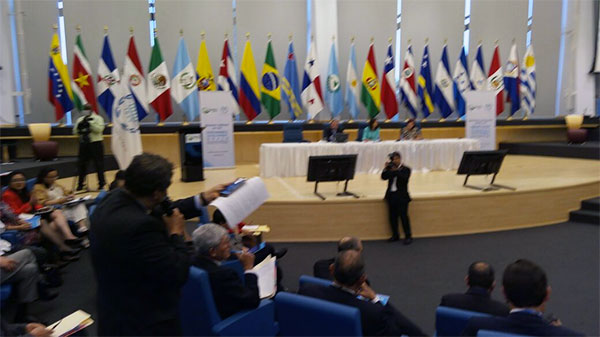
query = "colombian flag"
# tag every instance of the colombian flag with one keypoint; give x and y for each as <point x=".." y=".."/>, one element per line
<point x="59" y="84"/>
<point x="370" y="94"/>
<point x="249" y="93"/>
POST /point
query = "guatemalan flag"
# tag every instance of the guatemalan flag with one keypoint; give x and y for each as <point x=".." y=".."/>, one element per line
<point x="227" y="77"/>
<point x="528" y="82"/>
<point x="134" y="75"/>
<point x="496" y="81"/>
<point x="443" y="93"/>
<point x="312" y="96"/>
<point x="478" y="77"/>
<point x="183" y="85"/>
<point x="407" y="83"/>
<point x="109" y="80"/>
<point x="388" y="85"/>
<point x="249" y="91"/>
<point x="351" y="97"/>
<point x="511" y="80"/>
<point x="462" y="83"/>
<point x="59" y="84"/>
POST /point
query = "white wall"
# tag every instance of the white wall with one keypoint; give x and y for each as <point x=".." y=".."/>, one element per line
<point x="7" y="106"/>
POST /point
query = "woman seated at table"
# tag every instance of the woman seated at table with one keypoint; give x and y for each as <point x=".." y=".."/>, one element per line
<point x="49" y="193"/>
<point x="411" y="131"/>
<point x="371" y="132"/>
<point x="18" y="198"/>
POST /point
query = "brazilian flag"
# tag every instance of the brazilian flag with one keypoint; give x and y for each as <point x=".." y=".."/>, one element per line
<point x="270" y="85"/>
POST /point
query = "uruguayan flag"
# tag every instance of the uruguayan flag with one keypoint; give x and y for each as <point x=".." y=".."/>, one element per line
<point x="462" y="83"/>
<point x="478" y="76"/>
<point x="109" y="80"/>
<point x="443" y="93"/>
<point x="528" y="82"/>
<point x="183" y="85"/>
<point x="351" y="97"/>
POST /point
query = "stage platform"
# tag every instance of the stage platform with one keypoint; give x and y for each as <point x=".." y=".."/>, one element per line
<point x="587" y="150"/>
<point x="547" y="190"/>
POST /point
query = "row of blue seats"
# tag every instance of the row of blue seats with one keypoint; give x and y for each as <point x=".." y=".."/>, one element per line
<point x="290" y="314"/>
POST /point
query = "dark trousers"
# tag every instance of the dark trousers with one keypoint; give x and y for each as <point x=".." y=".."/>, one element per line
<point x="91" y="152"/>
<point x="399" y="208"/>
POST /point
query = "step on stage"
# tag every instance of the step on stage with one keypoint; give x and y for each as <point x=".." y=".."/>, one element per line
<point x="547" y="189"/>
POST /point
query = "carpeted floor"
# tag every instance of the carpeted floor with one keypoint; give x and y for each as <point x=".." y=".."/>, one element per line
<point x="416" y="276"/>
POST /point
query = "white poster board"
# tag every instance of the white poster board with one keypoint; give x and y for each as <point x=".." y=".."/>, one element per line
<point x="216" y="119"/>
<point x="481" y="118"/>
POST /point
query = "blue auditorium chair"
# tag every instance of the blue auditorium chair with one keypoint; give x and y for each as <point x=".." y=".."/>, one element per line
<point x="199" y="315"/>
<point x="451" y="321"/>
<point x="305" y="279"/>
<point x="299" y="315"/>
<point x="204" y="218"/>
<point x="490" y="333"/>
<point x="97" y="201"/>
<point x="292" y="133"/>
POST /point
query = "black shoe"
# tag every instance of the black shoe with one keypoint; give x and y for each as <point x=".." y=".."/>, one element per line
<point x="408" y="241"/>
<point x="280" y="253"/>
<point x="393" y="239"/>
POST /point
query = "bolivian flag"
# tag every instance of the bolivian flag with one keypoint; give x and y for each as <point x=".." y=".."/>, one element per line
<point x="370" y="94"/>
<point x="270" y="89"/>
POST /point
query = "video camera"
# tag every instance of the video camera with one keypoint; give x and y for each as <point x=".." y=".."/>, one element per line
<point x="84" y="129"/>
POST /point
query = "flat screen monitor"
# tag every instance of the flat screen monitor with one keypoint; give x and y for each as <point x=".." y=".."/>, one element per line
<point x="481" y="162"/>
<point x="331" y="168"/>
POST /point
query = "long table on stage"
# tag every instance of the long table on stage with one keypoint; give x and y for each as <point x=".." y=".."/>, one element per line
<point x="291" y="159"/>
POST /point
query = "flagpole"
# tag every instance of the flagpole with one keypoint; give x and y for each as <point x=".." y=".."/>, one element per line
<point x="408" y="42"/>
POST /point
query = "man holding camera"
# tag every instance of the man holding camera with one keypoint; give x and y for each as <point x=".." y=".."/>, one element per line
<point x="89" y="128"/>
<point x="397" y="196"/>
<point x="138" y="251"/>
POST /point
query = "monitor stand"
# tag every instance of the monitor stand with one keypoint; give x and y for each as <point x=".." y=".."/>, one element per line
<point x="344" y="193"/>
<point x="490" y="187"/>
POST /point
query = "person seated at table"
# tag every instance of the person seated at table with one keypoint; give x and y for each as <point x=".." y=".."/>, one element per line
<point x="371" y="132"/>
<point x="20" y="201"/>
<point x="411" y="131"/>
<point x="49" y="193"/>
<point x="331" y="130"/>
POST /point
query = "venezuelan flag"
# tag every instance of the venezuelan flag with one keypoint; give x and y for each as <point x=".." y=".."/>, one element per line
<point x="59" y="84"/>
<point x="249" y="93"/>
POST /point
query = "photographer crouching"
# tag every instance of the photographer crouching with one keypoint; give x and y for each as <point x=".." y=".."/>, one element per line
<point x="138" y="251"/>
<point x="89" y="128"/>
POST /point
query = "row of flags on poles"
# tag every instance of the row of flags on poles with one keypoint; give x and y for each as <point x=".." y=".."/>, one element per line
<point x="420" y="94"/>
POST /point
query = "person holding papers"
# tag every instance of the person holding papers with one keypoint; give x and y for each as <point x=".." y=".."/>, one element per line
<point x="231" y="294"/>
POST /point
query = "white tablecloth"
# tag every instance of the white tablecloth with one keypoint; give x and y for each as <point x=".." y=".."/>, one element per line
<point x="291" y="159"/>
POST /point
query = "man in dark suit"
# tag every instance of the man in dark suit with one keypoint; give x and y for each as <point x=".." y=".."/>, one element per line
<point x="139" y="256"/>
<point x="397" y="196"/>
<point x="527" y="291"/>
<point x="478" y="297"/>
<point x="230" y="293"/>
<point x="321" y="267"/>
<point x="349" y="288"/>
<point x="331" y="130"/>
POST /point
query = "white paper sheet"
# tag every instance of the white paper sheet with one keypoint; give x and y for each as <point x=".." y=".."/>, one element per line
<point x="71" y="324"/>
<point x="242" y="202"/>
<point x="267" y="277"/>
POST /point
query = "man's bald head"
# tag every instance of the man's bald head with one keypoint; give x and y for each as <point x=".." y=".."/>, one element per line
<point x="348" y="268"/>
<point x="350" y="243"/>
<point x="481" y="274"/>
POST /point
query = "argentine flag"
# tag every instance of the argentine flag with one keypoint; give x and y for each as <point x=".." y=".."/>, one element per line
<point x="109" y="80"/>
<point x="511" y="80"/>
<point x="478" y="73"/>
<point x="351" y="98"/>
<point x="183" y="84"/>
<point x="462" y="83"/>
<point x="528" y="82"/>
<point x="443" y="92"/>
<point x="333" y="92"/>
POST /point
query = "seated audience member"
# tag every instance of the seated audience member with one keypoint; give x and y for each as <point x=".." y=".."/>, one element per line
<point x="481" y="283"/>
<point x="231" y="295"/>
<point x="331" y="130"/>
<point x="371" y="132"/>
<point x="411" y="131"/>
<point x="57" y="230"/>
<point x="349" y="288"/>
<point x="119" y="180"/>
<point x="526" y="289"/>
<point x="21" y="270"/>
<point x="321" y="267"/>
<point x="49" y="193"/>
<point x="26" y="330"/>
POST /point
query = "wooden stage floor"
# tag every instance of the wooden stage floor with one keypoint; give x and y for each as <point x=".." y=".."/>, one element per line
<point x="547" y="189"/>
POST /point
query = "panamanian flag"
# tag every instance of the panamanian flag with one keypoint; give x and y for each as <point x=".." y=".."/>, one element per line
<point x="511" y="80"/>
<point x="443" y="93"/>
<point x="109" y="80"/>
<point x="462" y="83"/>
<point x="312" y="95"/>
<point x="227" y="80"/>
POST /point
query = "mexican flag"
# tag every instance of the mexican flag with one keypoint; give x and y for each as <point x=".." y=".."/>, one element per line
<point x="83" y="81"/>
<point x="370" y="94"/>
<point x="159" y="86"/>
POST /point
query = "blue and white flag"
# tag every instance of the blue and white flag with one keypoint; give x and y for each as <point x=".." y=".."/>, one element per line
<point x="462" y="83"/>
<point x="351" y="97"/>
<point x="443" y="92"/>
<point x="109" y="80"/>
<point x="183" y="84"/>
<point x="333" y="92"/>
<point x="528" y="82"/>
<point x="511" y="80"/>
<point x="479" y="78"/>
